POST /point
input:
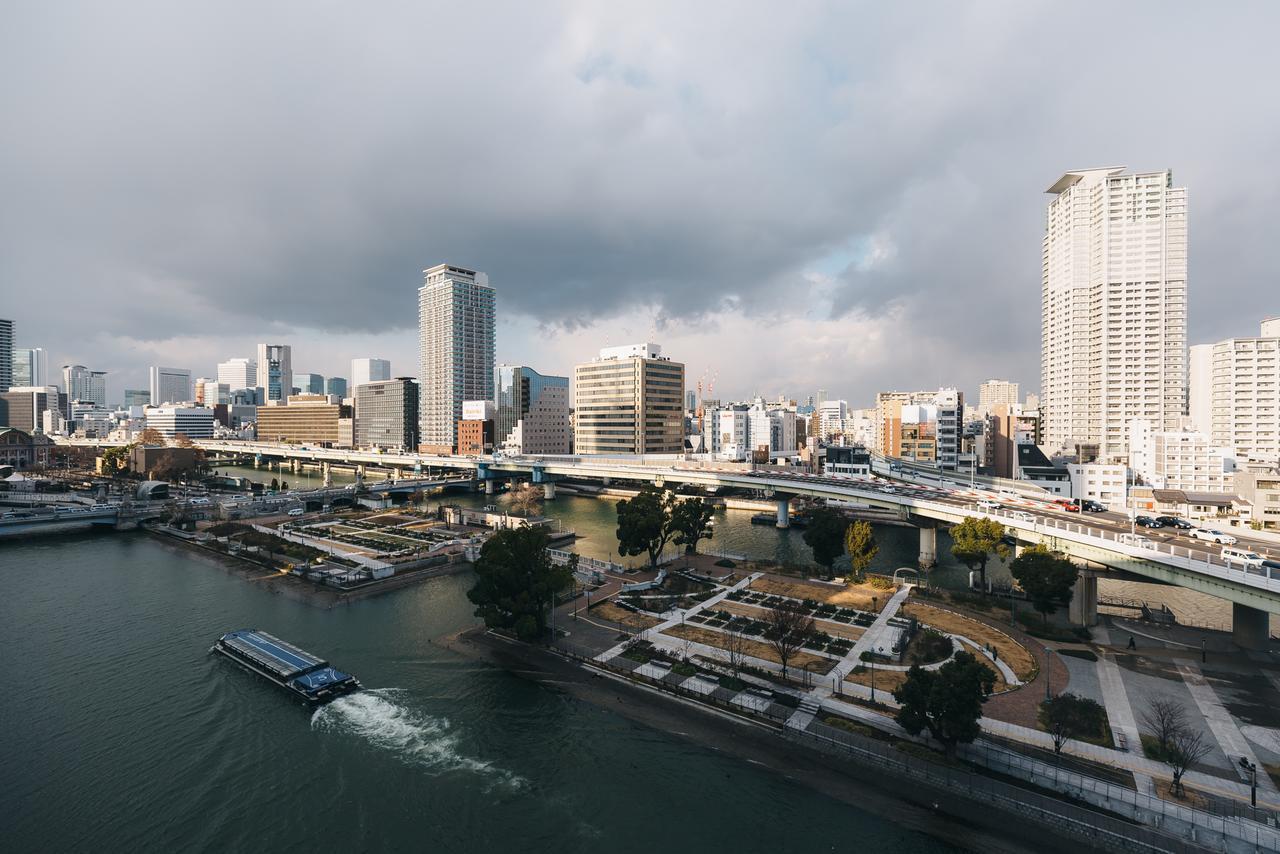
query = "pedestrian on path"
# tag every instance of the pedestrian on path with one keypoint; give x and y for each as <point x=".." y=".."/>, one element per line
<point x="1132" y="645"/>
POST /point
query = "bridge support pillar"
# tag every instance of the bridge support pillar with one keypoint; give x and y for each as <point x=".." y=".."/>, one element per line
<point x="928" y="557"/>
<point x="784" y="513"/>
<point x="360" y="470"/>
<point x="328" y="475"/>
<point x="1249" y="626"/>
<point x="1083" y="609"/>
<point x="397" y="474"/>
<point x="488" y="487"/>
<point x="605" y="481"/>
<point x="549" y="491"/>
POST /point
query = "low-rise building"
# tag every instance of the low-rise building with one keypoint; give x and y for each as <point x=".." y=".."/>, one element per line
<point x="1106" y="483"/>
<point x="1261" y="489"/>
<point x="531" y="413"/>
<point x="22" y="449"/>
<point x="852" y="461"/>
<point x="305" y="419"/>
<point x="194" y="422"/>
<point x="1179" y="459"/>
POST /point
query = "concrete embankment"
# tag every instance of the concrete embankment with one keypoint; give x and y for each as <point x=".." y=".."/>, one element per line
<point x="935" y="812"/>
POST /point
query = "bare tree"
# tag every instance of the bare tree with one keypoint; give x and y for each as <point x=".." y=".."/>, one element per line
<point x="788" y="628"/>
<point x="735" y="646"/>
<point x="1186" y="748"/>
<point x="525" y="499"/>
<point x="1164" y="719"/>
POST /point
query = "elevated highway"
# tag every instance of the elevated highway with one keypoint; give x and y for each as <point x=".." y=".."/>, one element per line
<point x="1104" y="540"/>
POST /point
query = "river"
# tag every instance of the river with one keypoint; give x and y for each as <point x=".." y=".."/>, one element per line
<point x="594" y="519"/>
<point x="121" y="732"/>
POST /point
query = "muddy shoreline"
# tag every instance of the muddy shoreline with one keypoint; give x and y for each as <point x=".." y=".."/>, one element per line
<point x="943" y="815"/>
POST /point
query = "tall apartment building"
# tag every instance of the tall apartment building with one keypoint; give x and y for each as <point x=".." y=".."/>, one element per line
<point x="170" y="385"/>
<point x="531" y="411"/>
<point x="6" y="354"/>
<point x="238" y="373"/>
<point x="629" y="401"/>
<point x="84" y="384"/>
<point x="1114" y="307"/>
<point x="1235" y="393"/>
<point x="831" y="417"/>
<point x="30" y="367"/>
<point x="369" y="371"/>
<point x="455" y="350"/>
<point x="993" y="393"/>
<point x="387" y="414"/>
<point x="275" y="371"/>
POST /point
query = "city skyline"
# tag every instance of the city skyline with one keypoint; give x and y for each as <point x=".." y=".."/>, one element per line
<point x="702" y="254"/>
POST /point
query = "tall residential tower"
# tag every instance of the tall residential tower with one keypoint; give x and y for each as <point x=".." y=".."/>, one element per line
<point x="455" y="350"/>
<point x="1114" y="307"/>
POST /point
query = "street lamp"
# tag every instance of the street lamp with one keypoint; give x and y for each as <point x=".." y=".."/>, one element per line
<point x="1253" y="780"/>
<point x="1048" y="673"/>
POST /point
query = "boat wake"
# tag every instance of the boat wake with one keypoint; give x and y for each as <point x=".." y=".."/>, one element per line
<point x="415" y="738"/>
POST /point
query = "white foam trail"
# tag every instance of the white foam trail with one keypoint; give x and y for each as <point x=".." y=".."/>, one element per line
<point x="416" y="738"/>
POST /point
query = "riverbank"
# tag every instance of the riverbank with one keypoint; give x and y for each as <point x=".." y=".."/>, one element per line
<point x="937" y="812"/>
<point x="290" y="586"/>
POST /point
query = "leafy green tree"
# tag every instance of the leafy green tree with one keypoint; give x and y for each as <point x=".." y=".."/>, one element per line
<point x="947" y="701"/>
<point x="644" y="524"/>
<point x="825" y="535"/>
<point x="275" y="484"/>
<point x="1047" y="577"/>
<point x="690" y="522"/>
<point x="975" y="540"/>
<point x="1069" y="716"/>
<point x="860" y="543"/>
<point x="516" y="582"/>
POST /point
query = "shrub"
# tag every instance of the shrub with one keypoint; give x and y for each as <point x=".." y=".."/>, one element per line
<point x="880" y="582"/>
<point x="726" y="563"/>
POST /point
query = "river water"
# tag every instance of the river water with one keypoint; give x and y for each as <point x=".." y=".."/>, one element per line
<point x="594" y="518"/>
<point x="121" y="733"/>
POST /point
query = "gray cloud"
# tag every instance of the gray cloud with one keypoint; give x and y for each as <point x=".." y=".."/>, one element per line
<point x="179" y="169"/>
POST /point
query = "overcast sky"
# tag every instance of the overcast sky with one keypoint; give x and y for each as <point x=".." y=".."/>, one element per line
<point x="787" y="196"/>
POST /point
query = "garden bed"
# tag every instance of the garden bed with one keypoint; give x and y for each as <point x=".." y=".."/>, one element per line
<point x="1018" y="657"/>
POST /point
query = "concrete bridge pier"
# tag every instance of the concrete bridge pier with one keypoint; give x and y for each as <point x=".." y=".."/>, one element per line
<point x="1083" y="608"/>
<point x="549" y="491"/>
<point x="784" y="512"/>
<point x="488" y="487"/>
<point x="1250" y="627"/>
<point x="360" y="470"/>
<point x="327" y="471"/>
<point x="397" y="474"/>
<point x="928" y="557"/>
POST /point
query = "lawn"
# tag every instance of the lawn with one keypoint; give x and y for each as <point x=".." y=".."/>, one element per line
<point x="756" y="649"/>
<point x="886" y="680"/>
<point x="860" y="596"/>
<point x="613" y="613"/>
<point x="1010" y="651"/>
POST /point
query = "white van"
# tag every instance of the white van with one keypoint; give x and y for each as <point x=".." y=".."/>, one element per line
<point x="988" y="504"/>
<point x="297" y="511"/>
<point x="1242" y="556"/>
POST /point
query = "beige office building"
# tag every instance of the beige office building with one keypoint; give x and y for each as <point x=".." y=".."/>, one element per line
<point x="630" y="400"/>
<point x="308" y="419"/>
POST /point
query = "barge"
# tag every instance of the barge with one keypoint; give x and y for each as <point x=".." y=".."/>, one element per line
<point x="302" y="673"/>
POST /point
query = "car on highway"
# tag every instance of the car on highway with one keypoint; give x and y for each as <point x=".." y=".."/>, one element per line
<point x="1135" y="540"/>
<point x="1147" y="522"/>
<point x="1024" y="516"/>
<point x="1067" y="505"/>
<point x="1212" y="536"/>
<point x="1093" y="507"/>
<point x="1243" y="556"/>
<point x="1271" y="566"/>
<point x="988" y="504"/>
<point x="1175" y="522"/>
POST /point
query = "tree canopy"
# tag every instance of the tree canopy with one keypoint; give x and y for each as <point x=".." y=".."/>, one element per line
<point x="825" y="535"/>
<point x="150" y="436"/>
<point x="1047" y="577"/>
<point x="643" y="524"/>
<point x="788" y="626"/>
<point x="690" y="522"/>
<point x="516" y="582"/>
<point x="974" y="540"/>
<point x="947" y="701"/>
<point x="860" y="543"/>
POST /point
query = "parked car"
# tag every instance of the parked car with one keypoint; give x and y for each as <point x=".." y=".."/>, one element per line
<point x="1244" y="556"/>
<point x="1175" y="522"/>
<point x="1093" y="507"/>
<point x="1148" y="522"/>
<point x="1212" y="536"/>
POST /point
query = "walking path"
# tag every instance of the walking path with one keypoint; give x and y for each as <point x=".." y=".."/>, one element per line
<point x="1224" y="728"/>
<point x="1120" y="714"/>
<point x="878" y="634"/>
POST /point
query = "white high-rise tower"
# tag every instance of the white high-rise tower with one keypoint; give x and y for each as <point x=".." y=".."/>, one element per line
<point x="455" y="350"/>
<point x="1114" y="307"/>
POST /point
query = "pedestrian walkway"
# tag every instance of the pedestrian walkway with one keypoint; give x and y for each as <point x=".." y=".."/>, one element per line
<point x="878" y="634"/>
<point x="1224" y="727"/>
<point x="1120" y="714"/>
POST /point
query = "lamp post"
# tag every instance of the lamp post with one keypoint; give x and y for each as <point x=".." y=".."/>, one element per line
<point x="1253" y="780"/>
<point x="1048" y="674"/>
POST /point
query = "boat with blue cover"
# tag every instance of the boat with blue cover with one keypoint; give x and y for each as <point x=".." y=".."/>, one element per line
<point x="308" y="676"/>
